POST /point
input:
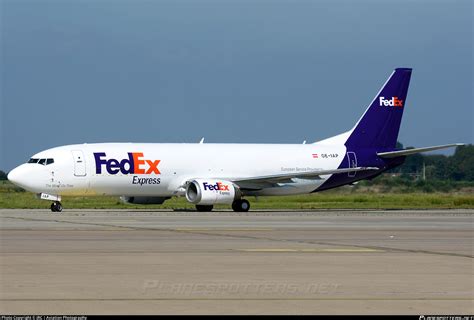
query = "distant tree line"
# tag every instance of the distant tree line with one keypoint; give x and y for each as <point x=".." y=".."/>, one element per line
<point x="3" y="175"/>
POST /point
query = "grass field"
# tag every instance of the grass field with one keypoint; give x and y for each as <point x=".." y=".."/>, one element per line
<point x="341" y="198"/>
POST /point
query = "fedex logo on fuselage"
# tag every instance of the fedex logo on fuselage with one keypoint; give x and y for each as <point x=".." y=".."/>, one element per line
<point x="393" y="102"/>
<point x="216" y="187"/>
<point x="134" y="164"/>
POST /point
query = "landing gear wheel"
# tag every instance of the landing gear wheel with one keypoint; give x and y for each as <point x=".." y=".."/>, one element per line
<point x="240" y="205"/>
<point x="202" y="208"/>
<point x="56" y="206"/>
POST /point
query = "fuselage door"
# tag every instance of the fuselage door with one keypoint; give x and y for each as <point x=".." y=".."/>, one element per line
<point x="79" y="163"/>
<point x="352" y="159"/>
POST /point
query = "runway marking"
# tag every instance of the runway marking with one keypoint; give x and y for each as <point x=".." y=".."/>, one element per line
<point x="236" y="236"/>
<point x="341" y="250"/>
<point x="245" y="299"/>
<point x="222" y="229"/>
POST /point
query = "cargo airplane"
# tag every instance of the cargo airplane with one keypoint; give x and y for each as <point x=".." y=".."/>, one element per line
<point x="209" y="174"/>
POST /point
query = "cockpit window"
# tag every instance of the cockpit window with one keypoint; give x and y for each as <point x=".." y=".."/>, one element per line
<point x="44" y="162"/>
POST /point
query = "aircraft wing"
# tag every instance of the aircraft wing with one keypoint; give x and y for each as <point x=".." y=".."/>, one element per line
<point x="286" y="177"/>
<point x="407" y="152"/>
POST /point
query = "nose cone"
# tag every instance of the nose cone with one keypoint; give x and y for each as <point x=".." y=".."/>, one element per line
<point x="17" y="176"/>
<point x="13" y="175"/>
<point x="31" y="177"/>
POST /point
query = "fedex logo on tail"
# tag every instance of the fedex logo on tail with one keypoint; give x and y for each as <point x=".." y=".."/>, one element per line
<point x="219" y="186"/>
<point x="393" y="102"/>
<point x="134" y="164"/>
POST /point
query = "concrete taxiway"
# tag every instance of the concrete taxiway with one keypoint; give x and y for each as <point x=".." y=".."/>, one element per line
<point x="261" y="262"/>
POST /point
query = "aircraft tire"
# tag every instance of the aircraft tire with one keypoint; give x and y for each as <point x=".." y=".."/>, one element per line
<point x="56" y="206"/>
<point x="240" y="205"/>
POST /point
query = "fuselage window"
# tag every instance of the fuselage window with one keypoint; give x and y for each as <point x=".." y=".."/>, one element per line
<point x="49" y="161"/>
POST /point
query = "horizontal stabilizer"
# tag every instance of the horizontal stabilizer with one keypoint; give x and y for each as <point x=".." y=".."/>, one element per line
<point x="407" y="152"/>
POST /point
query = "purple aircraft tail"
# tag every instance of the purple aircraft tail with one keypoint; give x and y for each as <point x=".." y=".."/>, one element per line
<point x="378" y="128"/>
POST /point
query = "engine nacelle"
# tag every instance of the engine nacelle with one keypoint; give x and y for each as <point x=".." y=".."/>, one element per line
<point x="211" y="191"/>
<point x="143" y="200"/>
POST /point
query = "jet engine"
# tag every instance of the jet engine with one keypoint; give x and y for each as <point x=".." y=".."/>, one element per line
<point x="143" y="200"/>
<point x="211" y="191"/>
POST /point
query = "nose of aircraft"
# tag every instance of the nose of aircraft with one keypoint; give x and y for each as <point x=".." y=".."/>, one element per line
<point x="17" y="176"/>
<point x="29" y="177"/>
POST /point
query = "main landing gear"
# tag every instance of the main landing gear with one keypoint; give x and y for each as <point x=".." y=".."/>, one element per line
<point x="56" y="206"/>
<point x="240" y="205"/>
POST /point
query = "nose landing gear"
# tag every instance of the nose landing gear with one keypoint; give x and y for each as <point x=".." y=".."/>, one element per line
<point x="56" y="206"/>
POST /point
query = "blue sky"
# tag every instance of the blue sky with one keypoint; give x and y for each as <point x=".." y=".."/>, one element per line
<point x="231" y="71"/>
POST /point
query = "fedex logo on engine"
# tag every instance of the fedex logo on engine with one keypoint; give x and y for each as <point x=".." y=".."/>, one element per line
<point x="219" y="186"/>
<point x="134" y="164"/>
<point x="393" y="102"/>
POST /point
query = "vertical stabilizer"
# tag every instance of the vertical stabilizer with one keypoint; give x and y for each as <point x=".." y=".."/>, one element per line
<point x="379" y="125"/>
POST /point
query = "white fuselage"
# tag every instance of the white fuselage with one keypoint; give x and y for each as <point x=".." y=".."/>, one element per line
<point x="163" y="169"/>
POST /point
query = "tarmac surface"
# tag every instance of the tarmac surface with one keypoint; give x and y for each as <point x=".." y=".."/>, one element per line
<point x="260" y="262"/>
